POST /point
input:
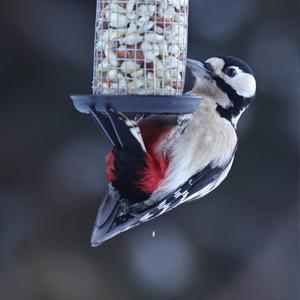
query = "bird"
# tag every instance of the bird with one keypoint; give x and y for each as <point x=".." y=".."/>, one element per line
<point x="160" y="161"/>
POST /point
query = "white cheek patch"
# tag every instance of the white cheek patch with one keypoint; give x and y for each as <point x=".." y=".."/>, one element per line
<point x="243" y="83"/>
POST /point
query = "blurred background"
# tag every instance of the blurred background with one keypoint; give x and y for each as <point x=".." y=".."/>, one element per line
<point x="240" y="242"/>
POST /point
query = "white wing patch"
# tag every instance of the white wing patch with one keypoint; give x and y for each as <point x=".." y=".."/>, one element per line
<point x="133" y="127"/>
<point x="135" y="131"/>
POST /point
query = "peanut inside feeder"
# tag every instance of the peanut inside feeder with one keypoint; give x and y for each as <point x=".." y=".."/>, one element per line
<point x="140" y="47"/>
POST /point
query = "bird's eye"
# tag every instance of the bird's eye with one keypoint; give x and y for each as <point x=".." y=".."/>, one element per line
<point x="231" y="72"/>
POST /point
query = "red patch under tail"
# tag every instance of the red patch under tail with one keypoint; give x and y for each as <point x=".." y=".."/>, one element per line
<point x="110" y="167"/>
<point x="153" y="174"/>
<point x="156" y="163"/>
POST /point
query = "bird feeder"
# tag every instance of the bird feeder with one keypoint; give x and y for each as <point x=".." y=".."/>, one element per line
<point x="140" y="56"/>
<point x="139" y="59"/>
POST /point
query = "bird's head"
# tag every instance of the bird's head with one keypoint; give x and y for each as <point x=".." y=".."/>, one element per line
<point x="228" y="81"/>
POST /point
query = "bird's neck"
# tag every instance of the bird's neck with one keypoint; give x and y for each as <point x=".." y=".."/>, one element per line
<point x="238" y="104"/>
<point x="232" y="114"/>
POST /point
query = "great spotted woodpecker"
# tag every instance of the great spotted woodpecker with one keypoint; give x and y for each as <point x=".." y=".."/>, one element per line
<point x="161" y="162"/>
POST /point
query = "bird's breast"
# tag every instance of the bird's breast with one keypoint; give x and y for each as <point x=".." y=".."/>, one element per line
<point x="207" y="139"/>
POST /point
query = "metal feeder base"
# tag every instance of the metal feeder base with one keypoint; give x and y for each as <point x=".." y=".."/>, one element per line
<point x="137" y="104"/>
<point x="96" y="106"/>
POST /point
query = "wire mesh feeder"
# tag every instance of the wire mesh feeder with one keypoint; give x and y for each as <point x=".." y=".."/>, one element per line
<point x="139" y="58"/>
<point x="140" y="47"/>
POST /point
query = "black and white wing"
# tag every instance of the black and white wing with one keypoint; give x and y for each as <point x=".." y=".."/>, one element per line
<point x="114" y="217"/>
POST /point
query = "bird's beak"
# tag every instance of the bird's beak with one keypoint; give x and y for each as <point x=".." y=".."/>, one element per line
<point x="198" y="68"/>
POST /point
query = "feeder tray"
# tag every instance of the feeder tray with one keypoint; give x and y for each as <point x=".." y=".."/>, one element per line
<point x="96" y="107"/>
<point x="137" y="104"/>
